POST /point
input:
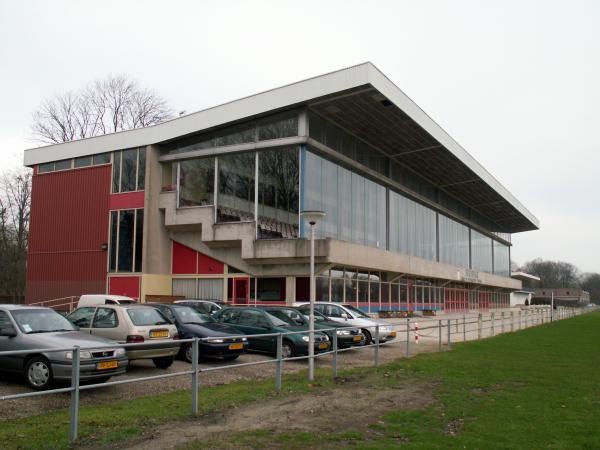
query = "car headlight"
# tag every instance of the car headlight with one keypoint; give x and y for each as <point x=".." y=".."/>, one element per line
<point x="305" y="338"/>
<point x="120" y="352"/>
<point x="244" y="339"/>
<point x="215" y="341"/>
<point x="83" y="354"/>
<point x="343" y="332"/>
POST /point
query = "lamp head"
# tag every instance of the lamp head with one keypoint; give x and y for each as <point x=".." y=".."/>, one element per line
<point x="313" y="216"/>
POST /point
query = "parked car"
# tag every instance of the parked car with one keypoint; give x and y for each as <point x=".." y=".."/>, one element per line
<point x="190" y="323"/>
<point x="346" y="336"/>
<point x="104" y="299"/>
<point x="350" y="315"/>
<point x="132" y="324"/>
<point x="30" y="328"/>
<point x="251" y="320"/>
<point x="203" y="306"/>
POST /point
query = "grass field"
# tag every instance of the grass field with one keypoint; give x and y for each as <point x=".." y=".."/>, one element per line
<point x="537" y="388"/>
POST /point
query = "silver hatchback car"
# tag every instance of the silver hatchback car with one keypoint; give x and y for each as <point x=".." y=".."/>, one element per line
<point x="132" y="324"/>
<point x="30" y="328"/>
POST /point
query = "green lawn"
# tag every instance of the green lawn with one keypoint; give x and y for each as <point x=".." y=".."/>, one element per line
<point x="537" y="388"/>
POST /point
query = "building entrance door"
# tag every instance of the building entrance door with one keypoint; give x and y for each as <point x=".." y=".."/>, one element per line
<point x="241" y="290"/>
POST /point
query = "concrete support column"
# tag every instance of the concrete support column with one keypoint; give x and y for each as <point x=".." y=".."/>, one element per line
<point x="290" y="290"/>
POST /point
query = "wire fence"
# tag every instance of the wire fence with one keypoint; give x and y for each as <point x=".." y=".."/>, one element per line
<point x="408" y="334"/>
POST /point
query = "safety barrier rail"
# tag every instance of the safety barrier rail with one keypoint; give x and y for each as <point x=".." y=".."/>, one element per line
<point x="410" y="329"/>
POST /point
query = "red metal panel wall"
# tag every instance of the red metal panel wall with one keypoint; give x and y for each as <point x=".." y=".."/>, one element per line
<point x="129" y="286"/>
<point x="127" y="200"/>
<point x="183" y="259"/>
<point x="69" y="224"/>
<point x="186" y="260"/>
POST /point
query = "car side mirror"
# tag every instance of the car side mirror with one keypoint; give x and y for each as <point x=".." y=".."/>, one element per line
<point x="344" y="316"/>
<point x="8" y="332"/>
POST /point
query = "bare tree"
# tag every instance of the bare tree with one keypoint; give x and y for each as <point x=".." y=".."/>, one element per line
<point x="553" y="274"/>
<point x="591" y="283"/>
<point x="15" y="202"/>
<point x="105" y="106"/>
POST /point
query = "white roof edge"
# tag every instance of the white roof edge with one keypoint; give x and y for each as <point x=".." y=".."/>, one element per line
<point x="524" y="275"/>
<point x="277" y="98"/>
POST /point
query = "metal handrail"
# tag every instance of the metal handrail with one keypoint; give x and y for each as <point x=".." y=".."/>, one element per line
<point x="535" y="313"/>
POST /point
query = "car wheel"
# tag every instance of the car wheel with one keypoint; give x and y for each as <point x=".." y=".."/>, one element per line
<point x="38" y="373"/>
<point x="187" y="352"/>
<point x="287" y="349"/>
<point x="368" y="338"/>
<point x="164" y="362"/>
<point x="230" y="357"/>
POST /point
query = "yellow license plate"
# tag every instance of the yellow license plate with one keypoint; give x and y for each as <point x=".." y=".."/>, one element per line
<point x="159" y="334"/>
<point x="323" y="345"/>
<point x="236" y="346"/>
<point x="104" y="365"/>
<point x="357" y="338"/>
<point x="393" y="334"/>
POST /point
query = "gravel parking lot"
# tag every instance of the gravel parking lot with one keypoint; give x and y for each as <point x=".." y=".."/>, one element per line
<point x="428" y="342"/>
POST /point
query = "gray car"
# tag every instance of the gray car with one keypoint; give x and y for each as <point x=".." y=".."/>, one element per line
<point x="30" y="328"/>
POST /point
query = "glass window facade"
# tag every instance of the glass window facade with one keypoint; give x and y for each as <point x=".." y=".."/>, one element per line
<point x="481" y="252"/>
<point x="273" y="127"/>
<point x="129" y="170"/>
<point x="355" y="205"/>
<point x="412" y="227"/>
<point x="196" y="182"/>
<point x="501" y="259"/>
<point x="359" y="210"/>
<point x="235" y="196"/>
<point x="126" y="238"/>
<point x="453" y="242"/>
<point x="278" y="193"/>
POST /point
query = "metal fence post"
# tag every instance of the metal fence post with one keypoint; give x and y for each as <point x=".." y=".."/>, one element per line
<point x="440" y="335"/>
<point x="376" y="352"/>
<point x="407" y="337"/>
<point x="279" y="365"/>
<point x="335" y="354"/>
<point x="479" y="325"/>
<point x="512" y="321"/>
<point x="493" y="323"/>
<point x="195" y="351"/>
<point x="74" y="393"/>
<point x="449" y="333"/>
<point x="464" y="329"/>
<point x="520" y="323"/>
<point x="502" y="322"/>
<point x="456" y="325"/>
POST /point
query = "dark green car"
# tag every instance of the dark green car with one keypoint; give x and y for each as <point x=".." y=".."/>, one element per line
<point x="346" y="337"/>
<point x="251" y="320"/>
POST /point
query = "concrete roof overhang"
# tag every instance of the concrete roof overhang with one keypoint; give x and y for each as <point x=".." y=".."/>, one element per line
<point x="363" y="101"/>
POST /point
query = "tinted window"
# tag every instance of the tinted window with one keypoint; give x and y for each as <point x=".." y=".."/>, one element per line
<point x="41" y="321"/>
<point x="142" y="317"/>
<point x="333" y="311"/>
<point x="186" y="314"/>
<point x="102" y="158"/>
<point x="5" y="321"/>
<point x="128" y="170"/>
<point x="167" y="313"/>
<point x="289" y="316"/>
<point x="46" y="167"/>
<point x="229" y="316"/>
<point x="62" y="165"/>
<point x="82" y="317"/>
<point x="356" y="311"/>
<point x="83" y="161"/>
<point x="252" y="318"/>
<point x="105" y="318"/>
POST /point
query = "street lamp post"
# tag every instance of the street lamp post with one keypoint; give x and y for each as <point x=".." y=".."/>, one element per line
<point x="312" y="217"/>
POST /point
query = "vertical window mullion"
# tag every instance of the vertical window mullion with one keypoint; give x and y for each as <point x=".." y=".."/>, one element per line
<point x="117" y="245"/>
<point x="133" y="243"/>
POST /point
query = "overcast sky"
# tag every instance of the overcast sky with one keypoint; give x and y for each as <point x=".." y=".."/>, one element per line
<point x="516" y="83"/>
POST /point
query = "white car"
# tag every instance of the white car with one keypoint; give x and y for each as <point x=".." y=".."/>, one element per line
<point x="348" y="314"/>
<point x="104" y="299"/>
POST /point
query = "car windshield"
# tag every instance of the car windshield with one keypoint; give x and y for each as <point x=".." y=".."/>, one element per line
<point x="318" y="316"/>
<point x="289" y="317"/>
<point x="41" y="321"/>
<point x="357" y="311"/>
<point x="143" y="317"/>
<point x="186" y="314"/>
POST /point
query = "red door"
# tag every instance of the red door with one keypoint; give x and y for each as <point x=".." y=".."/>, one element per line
<point x="241" y="290"/>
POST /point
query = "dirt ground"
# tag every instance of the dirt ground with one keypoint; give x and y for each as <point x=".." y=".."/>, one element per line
<point x="324" y="411"/>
